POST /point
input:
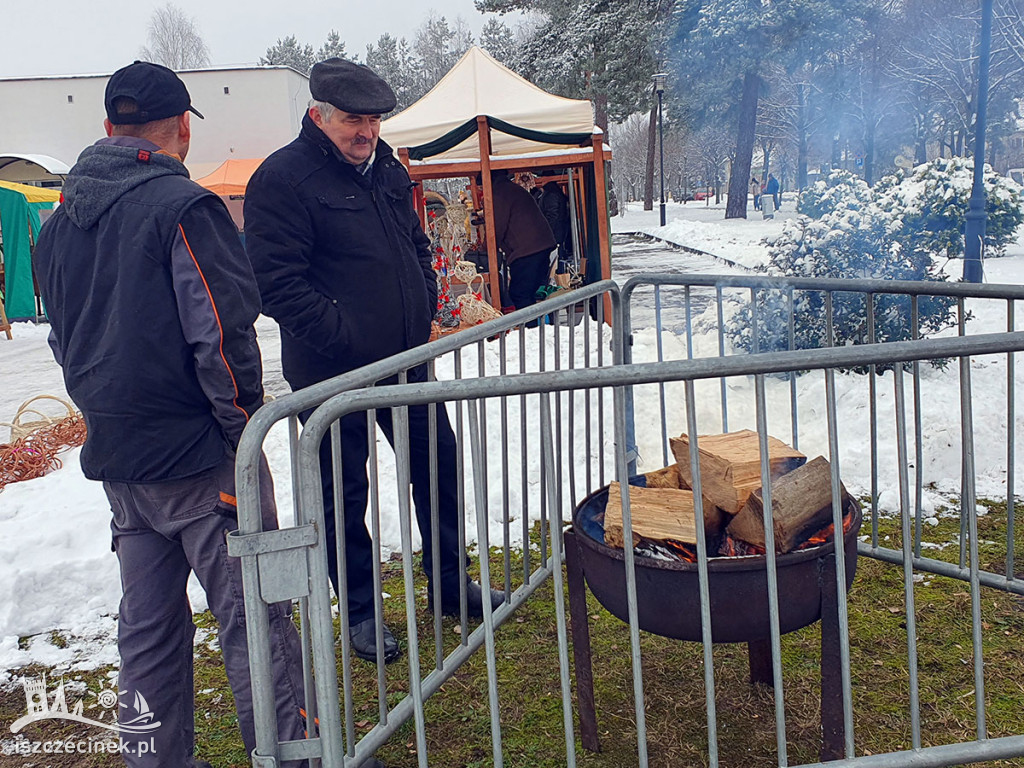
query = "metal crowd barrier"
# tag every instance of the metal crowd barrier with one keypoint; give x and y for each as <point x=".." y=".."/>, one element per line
<point x="511" y="408"/>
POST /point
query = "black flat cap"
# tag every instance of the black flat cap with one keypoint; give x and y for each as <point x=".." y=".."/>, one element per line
<point x="156" y="91"/>
<point x="351" y="87"/>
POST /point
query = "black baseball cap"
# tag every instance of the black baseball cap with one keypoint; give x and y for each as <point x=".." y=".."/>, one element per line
<point x="156" y="90"/>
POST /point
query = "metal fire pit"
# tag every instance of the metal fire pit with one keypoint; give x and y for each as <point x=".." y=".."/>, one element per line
<point x="668" y="596"/>
<point x="668" y="604"/>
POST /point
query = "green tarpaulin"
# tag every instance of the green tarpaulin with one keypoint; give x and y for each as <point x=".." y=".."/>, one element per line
<point x="19" y="227"/>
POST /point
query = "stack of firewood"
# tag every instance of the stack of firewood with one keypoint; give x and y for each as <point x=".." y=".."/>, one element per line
<point x="733" y="499"/>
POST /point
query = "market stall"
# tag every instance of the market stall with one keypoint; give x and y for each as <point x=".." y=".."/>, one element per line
<point x="22" y="210"/>
<point x="481" y="117"/>
<point x="229" y="181"/>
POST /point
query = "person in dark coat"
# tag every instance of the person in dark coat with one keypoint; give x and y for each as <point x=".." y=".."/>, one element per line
<point x="345" y="268"/>
<point x="523" y="235"/>
<point x="555" y="207"/>
<point x="772" y="189"/>
<point x="151" y="301"/>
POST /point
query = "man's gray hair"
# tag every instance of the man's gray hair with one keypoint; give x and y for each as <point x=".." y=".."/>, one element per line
<point x="326" y="108"/>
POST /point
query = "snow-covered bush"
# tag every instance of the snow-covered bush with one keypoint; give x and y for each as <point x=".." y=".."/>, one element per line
<point x="839" y="187"/>
<point x="900" y="230"/>
<point x="933" y="200"/>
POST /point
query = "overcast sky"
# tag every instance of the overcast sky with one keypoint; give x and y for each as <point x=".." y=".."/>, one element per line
<point x="63" y="37"/>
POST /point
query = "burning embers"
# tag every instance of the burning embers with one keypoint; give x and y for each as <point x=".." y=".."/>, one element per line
<point x="663" y="509"/>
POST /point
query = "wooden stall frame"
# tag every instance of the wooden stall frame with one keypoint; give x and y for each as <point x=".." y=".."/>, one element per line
<point x="596" y="155"/>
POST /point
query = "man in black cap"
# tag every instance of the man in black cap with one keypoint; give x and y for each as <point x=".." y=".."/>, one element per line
<point x="151" y="302"/>
<point x="345" y="268"/>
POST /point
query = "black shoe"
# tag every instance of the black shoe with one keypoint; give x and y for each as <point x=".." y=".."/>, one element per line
<point x="474" y="601"/>
<point x="364" y="641"/>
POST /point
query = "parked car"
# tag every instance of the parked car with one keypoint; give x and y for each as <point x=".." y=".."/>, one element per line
<point x="703" y="194"/>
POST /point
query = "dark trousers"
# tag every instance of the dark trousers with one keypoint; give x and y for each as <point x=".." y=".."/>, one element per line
<point x="526" y="275"/>
<point x="358" y="544"/>
<point x="161" y="532"/>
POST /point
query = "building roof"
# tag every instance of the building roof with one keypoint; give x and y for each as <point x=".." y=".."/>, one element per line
<point x="228" y="68"/>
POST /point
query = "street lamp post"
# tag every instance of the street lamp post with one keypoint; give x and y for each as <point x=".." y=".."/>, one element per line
<point x="659" y="88"/>
<point x="974" y="229"/>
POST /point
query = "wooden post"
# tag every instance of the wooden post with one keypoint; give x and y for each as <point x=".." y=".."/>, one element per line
<point x="484" y="135"/>
<point x="601" y="192"/>
<point x="418" y="201"/>
<point x="5" y="326"/>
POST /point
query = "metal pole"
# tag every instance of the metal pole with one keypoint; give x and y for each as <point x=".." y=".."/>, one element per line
<point x="974" y="230"/>
<point x="661" y="155"/>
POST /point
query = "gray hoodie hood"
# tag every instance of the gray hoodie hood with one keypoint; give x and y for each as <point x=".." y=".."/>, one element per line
<point x="109" y="169"/>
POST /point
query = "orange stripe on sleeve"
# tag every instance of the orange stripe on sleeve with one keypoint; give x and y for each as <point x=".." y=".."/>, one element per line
<point x="216" y="314"/>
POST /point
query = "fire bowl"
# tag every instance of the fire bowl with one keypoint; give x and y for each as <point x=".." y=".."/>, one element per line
<point x="668" y="592"/>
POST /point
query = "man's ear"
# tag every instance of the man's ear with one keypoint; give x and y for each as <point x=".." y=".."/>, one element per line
<point x="108" y="127"/>
<point x="316" y="116"/>
<point x="184" y="128"/>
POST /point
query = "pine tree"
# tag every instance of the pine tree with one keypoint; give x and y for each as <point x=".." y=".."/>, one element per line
<point x="498" y="40"/>
<point x="333" y="48"/>
<point x="392" y="59"/>
<point x="290" y="52"/>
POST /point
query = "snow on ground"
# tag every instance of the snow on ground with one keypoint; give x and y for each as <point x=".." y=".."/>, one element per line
<point x="57" y="571"/>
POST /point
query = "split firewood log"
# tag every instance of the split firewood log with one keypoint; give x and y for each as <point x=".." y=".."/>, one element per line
<point x="801" y="506"/>
<point x="659" y="514"/>
<point x="730" y="465"/>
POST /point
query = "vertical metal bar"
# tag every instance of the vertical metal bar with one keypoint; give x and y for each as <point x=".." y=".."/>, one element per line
<point x="1011" y="448"/>
<point x="755" y="336"/>
<point x="559" y="468"/>
<point x="918" y="435"/>
<point x="476" y="439"/>
<point x="661" y="384"/>
<point x="702" y="577"/>
<point x="600" y="392"/>
<point x="872" y="413"/>
<point x="400" y="419"/>
<point x="435" y="526"/>
<point x="505" y="533"/>
<point x="837" y="523"/>
<point x="460" y="477"/>
<point x="338" y="487"/>
<point x="908" y="553"/>
<point x="378" y="598"/>
<point x="588" y="399"/>
<point x="962" y="331"/>
<point x="484" y="477"/>
<point x="772" y="573"/>
<point x="572" y="406"/>
<point x="544" y="479"/>
<point x="619" y="397"/>
<point x="793" y="411"/>
<point x="308" y="687"/>
<point x="557" y="552"/>
<point x="969" y="507"/>
<point x="524" y="466"/>
<point x="721" y="353"/>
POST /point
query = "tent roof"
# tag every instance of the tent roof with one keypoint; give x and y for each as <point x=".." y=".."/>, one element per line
<point x="480" y="85"/>
<point x="49" y="164"/>
<point x="230" y="177"/>
<point x="32" y="194"/>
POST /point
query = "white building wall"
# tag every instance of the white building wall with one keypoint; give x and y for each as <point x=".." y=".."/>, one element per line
<point x="60" y="116"/>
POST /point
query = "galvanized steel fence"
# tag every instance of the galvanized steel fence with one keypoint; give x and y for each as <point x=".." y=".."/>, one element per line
<point x="534" y="413"/>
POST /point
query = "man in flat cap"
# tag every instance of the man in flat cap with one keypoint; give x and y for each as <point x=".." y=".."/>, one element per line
<point x="151" y="302"/>
<point x="345" y="268"/>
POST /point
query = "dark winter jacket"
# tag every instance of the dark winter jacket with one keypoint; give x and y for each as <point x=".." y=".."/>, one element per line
<point x="772" y="187"/>
<point x="151" y="302"/>
<point x="555" y="207"/>
<point x="342" y="262"/>
<point x="519" y="226"/>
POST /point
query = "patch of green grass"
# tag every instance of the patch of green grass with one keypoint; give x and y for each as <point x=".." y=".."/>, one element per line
<point x="458" y="724"/>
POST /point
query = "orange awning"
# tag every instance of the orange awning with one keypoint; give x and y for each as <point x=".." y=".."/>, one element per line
<point x="231" y="177"/>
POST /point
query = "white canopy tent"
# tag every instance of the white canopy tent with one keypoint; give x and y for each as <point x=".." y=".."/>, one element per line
<point x="480" y="85"/>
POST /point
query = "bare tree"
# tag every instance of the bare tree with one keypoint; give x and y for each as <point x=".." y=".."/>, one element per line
<point x="175" y="40"/>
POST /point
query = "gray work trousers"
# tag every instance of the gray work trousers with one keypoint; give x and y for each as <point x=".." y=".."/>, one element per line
<point x="161" y="532"/>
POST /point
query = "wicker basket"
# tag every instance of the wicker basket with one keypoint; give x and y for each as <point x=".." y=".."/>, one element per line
<point x="24" y="425"/>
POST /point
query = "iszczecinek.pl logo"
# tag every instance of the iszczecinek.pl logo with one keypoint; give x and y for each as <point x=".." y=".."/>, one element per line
<point x="39" y="706"/>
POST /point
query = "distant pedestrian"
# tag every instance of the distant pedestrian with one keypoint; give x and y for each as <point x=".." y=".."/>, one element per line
<point x="772" y="189"/>
<point x="755" y="192"/>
